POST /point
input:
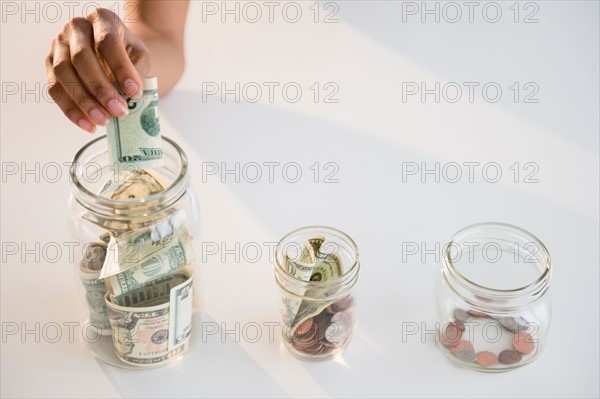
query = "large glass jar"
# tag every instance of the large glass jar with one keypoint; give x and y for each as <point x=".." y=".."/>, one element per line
<point x="316" y="269"/>
<point x="136" y="266"/>
<point x="492" y="297"/>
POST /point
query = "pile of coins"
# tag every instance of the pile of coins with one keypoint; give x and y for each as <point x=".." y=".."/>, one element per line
<point x="327" y="331"/>
<point x="464" y="350"/>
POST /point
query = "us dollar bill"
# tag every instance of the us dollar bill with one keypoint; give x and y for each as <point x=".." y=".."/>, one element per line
<point x="180" y="316"/>
<point x="157" y="328"/>
<point x="89" y="275"/>
<point x="163" y="262"/>
<point x="312" y="265"/>
<point x="328" y="267"/>
<point x="135" y="138"/>
<point x="135" y="184"/>
<point x="132" y="248"/>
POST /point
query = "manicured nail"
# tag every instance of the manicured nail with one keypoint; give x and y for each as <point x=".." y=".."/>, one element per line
<point x="87" y="126"/>
<point x="117" y="108"/>
<point x="132" y="89"/>
<point x="99" y="117"/>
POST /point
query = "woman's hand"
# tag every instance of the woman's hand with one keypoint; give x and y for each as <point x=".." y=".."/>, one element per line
<point x="85" y="57"/>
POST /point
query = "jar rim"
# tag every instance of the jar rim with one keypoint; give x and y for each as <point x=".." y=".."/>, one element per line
<point x="536" y="286"/>
<point x="87" y="196"/>
<point x="351" y="271"/>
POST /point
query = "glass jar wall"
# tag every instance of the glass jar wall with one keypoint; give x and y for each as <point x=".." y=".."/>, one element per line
<point x="316" y="269"/>
<point x="492" y="297"/>
<point x="137" y="271"/>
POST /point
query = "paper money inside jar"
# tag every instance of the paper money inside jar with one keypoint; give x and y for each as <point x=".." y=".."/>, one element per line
<point x="135" y="217"/>
<point x="316" y="269"/>
<point x="493" y="297"/>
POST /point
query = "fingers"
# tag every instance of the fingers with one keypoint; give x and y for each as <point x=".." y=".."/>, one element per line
<point x="83" y="55"/>
<point x="109" y="38"/>
<point x="65" y="73"/>
<point x="86" y="64"/>
<point x="65" y="101"/>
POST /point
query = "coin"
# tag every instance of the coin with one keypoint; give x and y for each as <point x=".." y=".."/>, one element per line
<point x="304" y="327"/>
<point x="461" y="315"/>
<point x="314" y="350"/>
<point x="331" y="309"/>
<point x="523" y="342"/>
<point x="513" y="324"/>
<point x="344" y="303"/>
<point x="93" y="257"/>
<point x="464" y="351"/>
<point x="462" y="344"/>
<point x="486" y="359"/>
<point x="450" y="337"/>
<point x="475" y="313"/>
<point x="309" y="335"/>
<point x="510" y="357"/>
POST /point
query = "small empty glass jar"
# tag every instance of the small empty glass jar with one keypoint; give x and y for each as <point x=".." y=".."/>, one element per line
<point x="149" y="314"/>
<point x="492" y="297"/>
<point x="316" y="269"/>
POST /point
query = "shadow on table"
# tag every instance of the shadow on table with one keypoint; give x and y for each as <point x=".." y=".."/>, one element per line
<point x="207" y="371"/>
<point x="358" y="178"/>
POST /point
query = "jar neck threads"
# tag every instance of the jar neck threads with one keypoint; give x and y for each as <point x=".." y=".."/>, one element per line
<point x="337" y="243"/>
<point x="526" y="253"/>
<point x="90" y="169"/>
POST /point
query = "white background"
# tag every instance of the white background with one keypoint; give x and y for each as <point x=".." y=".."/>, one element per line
<point x="368" y="134"/>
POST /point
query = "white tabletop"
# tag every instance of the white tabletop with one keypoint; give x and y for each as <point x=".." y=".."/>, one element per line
<point x="367" y="58"/>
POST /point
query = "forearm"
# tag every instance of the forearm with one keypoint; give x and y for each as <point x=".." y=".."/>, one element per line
<point x="160" y="25"/>
<point x="167" y="60"/>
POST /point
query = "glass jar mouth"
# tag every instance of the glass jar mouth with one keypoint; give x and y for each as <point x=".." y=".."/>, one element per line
<point x="535" y="287"/>
<point x="95" y="202"/>
<point x="348" y="274"/>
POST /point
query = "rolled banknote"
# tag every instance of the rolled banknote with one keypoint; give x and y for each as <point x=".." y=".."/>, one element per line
<point x="95" y="289"/>
<point x="163" y="262"/>
<point x="158" y="327"/>
<point x="327" y="267"/>
<point x="313" y="265"/>
<point x="132" y="248"/>
<point x="127" y="185"/>
<point x="135" y="139"/>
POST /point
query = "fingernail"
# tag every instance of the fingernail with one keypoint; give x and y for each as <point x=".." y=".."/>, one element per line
<point x="132" y="88"/>
<point x="117" y="108"/>
<point x="99" y="117"/>
<point x="87" y="126"/>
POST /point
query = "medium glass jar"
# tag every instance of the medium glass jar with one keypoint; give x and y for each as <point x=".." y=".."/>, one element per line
<point x="136" y="266"/>
<point x="492" y="297"/>
<point x="316" y="269"/>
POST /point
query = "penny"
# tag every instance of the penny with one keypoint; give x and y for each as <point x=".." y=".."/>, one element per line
<point x="322" y="327"/>
<point x="475" y="313"/>
<point x="313" y="350"/>
<point x="523" y="342"/>
<point x="464" y="351"/>
<point x="310" y="335"/>
<point x="510" y="357"/>
<point x="303" y="328"/>
<point x="486" y="359"/>
<point x="461" y="315"/>
<point x="450" y="337"/>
